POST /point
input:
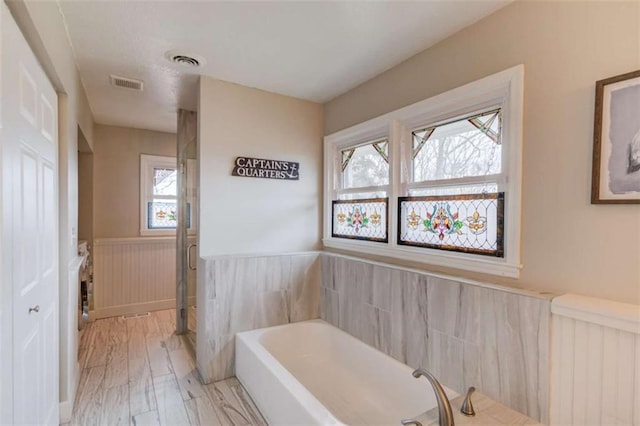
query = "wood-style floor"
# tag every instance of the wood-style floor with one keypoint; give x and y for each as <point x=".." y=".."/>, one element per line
<point x="136" y="371"/>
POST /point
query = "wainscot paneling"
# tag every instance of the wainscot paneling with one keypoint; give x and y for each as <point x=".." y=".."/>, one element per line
<point x="595" y="362"/>
<point x="134" y="275"/>
<point x="466" y="333"/>
<point x="249" y="292"/>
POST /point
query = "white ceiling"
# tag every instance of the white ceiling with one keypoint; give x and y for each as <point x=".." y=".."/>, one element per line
<point x="309" y="50"/>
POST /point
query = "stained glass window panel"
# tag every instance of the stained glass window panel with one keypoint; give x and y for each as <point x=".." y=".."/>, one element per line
<point x="163" y="214"/>
<point x="471" y="223"/>
<point x="463" y="148"/>
<point x="361" y="219"/>
<point x="165" y="181"/>
<point x="365" y="165"/>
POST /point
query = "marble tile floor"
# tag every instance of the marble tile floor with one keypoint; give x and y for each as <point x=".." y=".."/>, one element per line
<point x="136" y="371"/>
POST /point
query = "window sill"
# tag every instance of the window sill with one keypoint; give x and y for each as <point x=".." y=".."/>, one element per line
<point x="163" y="232"/>
<point x="474" y="263"/>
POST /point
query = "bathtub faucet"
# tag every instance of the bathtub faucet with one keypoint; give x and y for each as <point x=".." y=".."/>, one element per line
<point x="445" y="413"/>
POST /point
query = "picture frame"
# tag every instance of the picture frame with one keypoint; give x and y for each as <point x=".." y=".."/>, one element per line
<point x="616" y="141"/>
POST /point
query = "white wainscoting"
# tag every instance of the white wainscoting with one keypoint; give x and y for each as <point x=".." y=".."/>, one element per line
<point x="132" y="275"/>
<point x="595" y="371"/>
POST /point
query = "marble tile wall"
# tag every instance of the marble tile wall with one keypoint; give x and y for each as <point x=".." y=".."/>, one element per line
<point x="466" y="334"/>
<point x="246" y="293"/>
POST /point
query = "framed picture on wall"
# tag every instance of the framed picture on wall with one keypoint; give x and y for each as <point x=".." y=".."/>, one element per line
<point x="616" y="141"/>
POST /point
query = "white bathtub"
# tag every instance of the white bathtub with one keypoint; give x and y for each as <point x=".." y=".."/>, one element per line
<point x="311" y="373"/>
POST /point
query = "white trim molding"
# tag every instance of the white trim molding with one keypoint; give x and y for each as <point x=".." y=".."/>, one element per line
<point x="607" y="313"/>
<point x="66" y="407"/>
<point x="70" y="370"/>
<point x="504" y="90"/>
<point x="133" y="308"/>
<point x="132" y="240"/>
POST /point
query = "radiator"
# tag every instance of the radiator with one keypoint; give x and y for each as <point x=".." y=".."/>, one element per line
<point x="595" y="368"/>
<point x="132" y="275"/>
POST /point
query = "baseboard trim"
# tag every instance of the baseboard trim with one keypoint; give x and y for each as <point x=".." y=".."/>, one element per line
<point x="66" y="410"/>
<point x="66" y="407"/>
<point x="134" y="308"/>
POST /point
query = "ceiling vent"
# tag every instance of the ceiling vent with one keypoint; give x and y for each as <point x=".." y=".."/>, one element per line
<point x="126" y="83"/>
<point x="186" y="59"/>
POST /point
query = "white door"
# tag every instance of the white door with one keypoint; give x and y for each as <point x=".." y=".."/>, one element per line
<point x="30" y="182"/>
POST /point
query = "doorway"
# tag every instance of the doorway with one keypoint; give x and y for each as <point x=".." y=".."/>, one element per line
<point x="85" y="228"/>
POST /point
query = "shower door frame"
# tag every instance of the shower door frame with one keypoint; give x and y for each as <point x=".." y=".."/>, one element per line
<point x="187" y="134"/>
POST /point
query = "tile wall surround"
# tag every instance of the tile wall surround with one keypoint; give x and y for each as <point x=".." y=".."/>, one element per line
<point x="249" y="292"/>
<point x="466" y="333"/>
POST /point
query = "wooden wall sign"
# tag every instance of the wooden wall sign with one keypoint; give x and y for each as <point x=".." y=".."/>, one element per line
<point x="266" y="169"/>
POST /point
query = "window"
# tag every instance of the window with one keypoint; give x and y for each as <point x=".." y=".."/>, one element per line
<point x="454" y="202"/>
<point x="445" y="172"/>
<point x="159" y="196"/>
<point x="469" y="147"/>
<point x="366" y="165"/>
<point x="360" y="211"/>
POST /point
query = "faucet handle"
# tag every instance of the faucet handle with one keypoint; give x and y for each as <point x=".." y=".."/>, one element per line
<point x="410" y="422"/>
<point x="467" y="406"/>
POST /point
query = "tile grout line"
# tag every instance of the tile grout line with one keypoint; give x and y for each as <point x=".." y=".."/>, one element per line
<point x="127" y="336"/>
<point x="146" y="351"/>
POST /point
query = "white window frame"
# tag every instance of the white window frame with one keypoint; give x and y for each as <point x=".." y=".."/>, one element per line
<point x="147" y="164"/>
<point x="340" y="190"/>
<point x="504" y="90"/>
<point x="499" y="178"/>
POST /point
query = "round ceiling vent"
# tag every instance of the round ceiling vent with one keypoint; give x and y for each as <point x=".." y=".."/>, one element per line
<point x="182" y="58"/>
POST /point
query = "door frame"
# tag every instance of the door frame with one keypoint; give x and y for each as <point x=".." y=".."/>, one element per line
<point x="6" y="289"/>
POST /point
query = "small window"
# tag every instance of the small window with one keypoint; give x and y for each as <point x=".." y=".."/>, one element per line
<point x="366" y="165"/>
<point x="454" y="201"/>
<point x="164" y="205"/>
<point x="159" y="196"/>
<point x="360" y="210"/>
<point x="468" y="147"/>
<point x="165" y="182"/>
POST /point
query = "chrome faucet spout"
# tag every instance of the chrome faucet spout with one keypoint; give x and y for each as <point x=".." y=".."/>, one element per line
<point x="445" y="413"/>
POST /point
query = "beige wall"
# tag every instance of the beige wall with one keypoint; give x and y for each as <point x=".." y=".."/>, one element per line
<point x="568" y="245"/>
<point x="247" y="215"/>
<point x="116" y="166"/>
